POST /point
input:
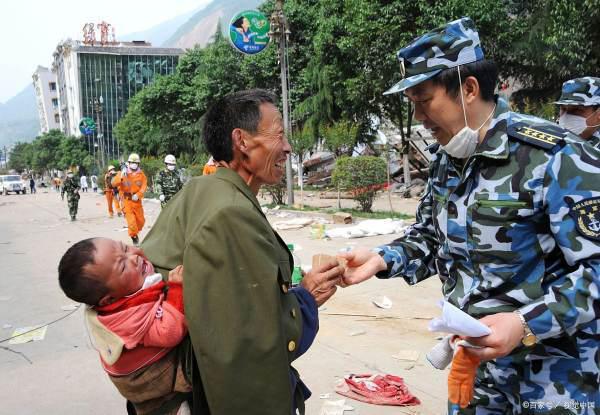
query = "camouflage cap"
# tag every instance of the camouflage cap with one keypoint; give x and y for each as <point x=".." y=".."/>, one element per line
<point x="581" y="91"/>
<point x="456" y="43"/>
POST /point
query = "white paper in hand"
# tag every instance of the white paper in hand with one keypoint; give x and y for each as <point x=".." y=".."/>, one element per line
<point x="455" y="321"/>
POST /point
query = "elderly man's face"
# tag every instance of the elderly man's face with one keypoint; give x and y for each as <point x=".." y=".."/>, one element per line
<point x="268" y="148"/>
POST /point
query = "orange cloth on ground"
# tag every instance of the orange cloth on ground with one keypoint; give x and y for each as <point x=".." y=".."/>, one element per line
<point x="209" y="169"/>
<point x="462" y="377"/>
<point x="133" y="183"/>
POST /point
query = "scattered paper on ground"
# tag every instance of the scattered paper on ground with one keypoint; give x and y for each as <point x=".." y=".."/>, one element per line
<point x="370" y="227"/>
<point x="383" y="302"/>
<point x="69" y="307"/>
<point x="296" y="223"/>
<point x="33" y="335"/>
<point x="409" y="355"/>
<point x="335" y="407"/>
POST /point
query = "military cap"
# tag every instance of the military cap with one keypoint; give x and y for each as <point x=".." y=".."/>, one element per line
<point x="456" y="43"/>
<point x="581" y="91"/>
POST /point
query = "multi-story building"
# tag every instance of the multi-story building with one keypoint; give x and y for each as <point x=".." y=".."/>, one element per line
<point x="98" y="81"/>
<point x="46" y="94"/>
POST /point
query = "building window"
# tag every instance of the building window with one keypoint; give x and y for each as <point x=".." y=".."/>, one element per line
<point x="55" y="103"/>
<point x="52" y="86"/>
<point x="57" y="118"/>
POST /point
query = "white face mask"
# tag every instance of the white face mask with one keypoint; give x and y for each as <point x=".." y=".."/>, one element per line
<point x="574" y="123"/>
<point x="464" y="143"/>
<point x="133" y="166"/>
<point x="170" y="167"/>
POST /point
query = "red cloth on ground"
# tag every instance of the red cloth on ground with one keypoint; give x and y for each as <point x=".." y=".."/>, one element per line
<point x="377" y="389"/>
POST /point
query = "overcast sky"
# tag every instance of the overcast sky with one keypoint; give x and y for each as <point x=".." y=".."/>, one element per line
<point x="30" y="30"/>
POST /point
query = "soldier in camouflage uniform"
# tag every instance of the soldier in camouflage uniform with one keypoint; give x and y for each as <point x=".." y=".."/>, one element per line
<point x="71" y="188"/>
<point x="580" y="108"/>
<point x="168" y="182"/>
<point x="510" y="222"/>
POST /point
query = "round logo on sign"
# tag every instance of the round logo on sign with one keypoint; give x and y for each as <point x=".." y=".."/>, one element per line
<point x="87" y="126"/>
<point x="248" y="32"/>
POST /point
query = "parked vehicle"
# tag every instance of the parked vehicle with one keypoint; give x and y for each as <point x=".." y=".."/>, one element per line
<point x="11" y="183"/>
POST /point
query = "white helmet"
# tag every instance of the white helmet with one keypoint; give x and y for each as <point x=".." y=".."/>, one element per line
<point x="134" y="158"/>
<point x="110" y="167"/>
<point x="170" y="159"/>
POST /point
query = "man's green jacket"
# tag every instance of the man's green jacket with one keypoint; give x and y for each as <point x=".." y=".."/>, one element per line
<point x="245" y="323"/>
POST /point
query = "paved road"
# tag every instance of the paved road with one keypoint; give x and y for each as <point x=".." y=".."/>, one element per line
<point x="61" y="373"/>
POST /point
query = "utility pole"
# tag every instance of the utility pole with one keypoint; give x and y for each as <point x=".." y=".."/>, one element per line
<point x="281" y="34"/>
<point x="98" y="108"/>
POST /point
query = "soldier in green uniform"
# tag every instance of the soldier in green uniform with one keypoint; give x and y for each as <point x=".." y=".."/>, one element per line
<point x="510" y="222"/>
<point x="167" y="182"/>
<point x="71" y="188"/>
<point x="246" y="323"/>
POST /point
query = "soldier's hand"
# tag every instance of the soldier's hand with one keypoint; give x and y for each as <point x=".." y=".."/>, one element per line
<point x="506" y="335"/>
<point x="321" y="281"/>
<point x="176" y="275"/>
<point x="362" y="264"/>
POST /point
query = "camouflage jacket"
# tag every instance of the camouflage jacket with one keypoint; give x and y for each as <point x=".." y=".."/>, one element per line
<point x="516" y="227"/>
<point x="594" y="140"/>
<point x="167" y="183"/>
<point x="71" y="187"/>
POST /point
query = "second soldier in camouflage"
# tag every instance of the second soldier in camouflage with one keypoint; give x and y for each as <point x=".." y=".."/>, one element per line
<point x="167" y="182"/>
<point x="71" y="188"/>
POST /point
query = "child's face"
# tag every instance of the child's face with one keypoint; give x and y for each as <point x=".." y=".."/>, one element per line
<point x="121" y="267"/>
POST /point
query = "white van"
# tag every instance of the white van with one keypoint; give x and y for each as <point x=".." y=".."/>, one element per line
<point x="11" y="183"/>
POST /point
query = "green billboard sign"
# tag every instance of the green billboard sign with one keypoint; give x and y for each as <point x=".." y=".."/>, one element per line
<point x="248" y="32"/>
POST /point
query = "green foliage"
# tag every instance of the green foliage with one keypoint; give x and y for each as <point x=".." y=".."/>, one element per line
<point x="342" y="57"/>
<point x="71" y="152"/>
<point x="340" y="138"/>
<point x="277" y="192"/>
<point x="21" y="157"/>
<point x="362" y="176"/>
<point x="151" y="166"/>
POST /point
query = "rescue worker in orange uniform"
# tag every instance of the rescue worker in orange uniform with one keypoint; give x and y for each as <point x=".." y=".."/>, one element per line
<point x="132" y="183"/>
<point x="110" y="192"/>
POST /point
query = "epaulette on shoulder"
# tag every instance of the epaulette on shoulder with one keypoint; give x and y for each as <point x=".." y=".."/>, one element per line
<point x="433" y="148"/>
<point x="546" y="136"/>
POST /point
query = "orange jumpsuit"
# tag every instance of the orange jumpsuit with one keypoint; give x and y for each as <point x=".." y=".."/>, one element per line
<point x="110" y="195"/>
<point x="133" y="183"/>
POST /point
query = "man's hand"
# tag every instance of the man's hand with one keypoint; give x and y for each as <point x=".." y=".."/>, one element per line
<point x="321" y="281"/>
<point x="362" y="265"/>
<point x="135" y="197"/>
<point x="506" y="335"/>
<point x="176" y="274"/>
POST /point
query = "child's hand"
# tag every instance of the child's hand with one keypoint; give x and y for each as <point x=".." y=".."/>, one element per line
<point x="176" y="275"/>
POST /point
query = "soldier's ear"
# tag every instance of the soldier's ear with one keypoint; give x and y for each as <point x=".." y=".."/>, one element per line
<point x="471" y="89"/>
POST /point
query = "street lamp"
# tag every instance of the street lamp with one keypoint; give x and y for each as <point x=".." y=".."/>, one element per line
<point x="280" y="33"/>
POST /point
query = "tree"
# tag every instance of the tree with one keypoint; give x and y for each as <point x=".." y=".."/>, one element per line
<point x="21" y="157"/>
<point x="72" y="152"/>
<point x="363" y="176"/>
<point x="340" y="138"/>
<point x="45" y="150"/>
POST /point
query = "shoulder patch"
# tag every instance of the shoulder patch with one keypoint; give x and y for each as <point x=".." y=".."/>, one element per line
<point x="542" y="136"/>
<point x="586" y="214"/>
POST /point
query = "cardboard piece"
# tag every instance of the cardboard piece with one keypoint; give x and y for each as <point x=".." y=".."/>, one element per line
<point x="342" y="217"/>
